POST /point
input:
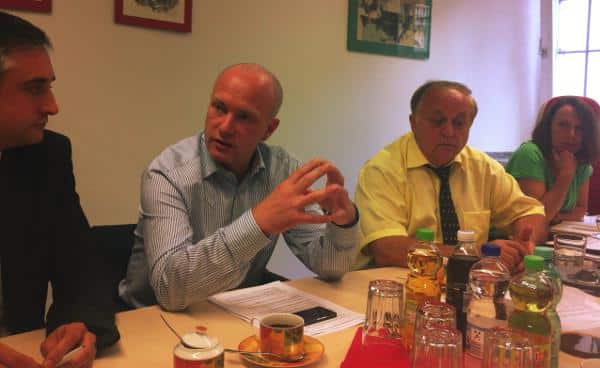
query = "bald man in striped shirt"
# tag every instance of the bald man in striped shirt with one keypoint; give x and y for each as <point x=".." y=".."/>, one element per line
<point x="213" y="205"/>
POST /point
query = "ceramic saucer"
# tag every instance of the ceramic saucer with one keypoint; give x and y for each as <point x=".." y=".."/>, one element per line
<point x="313" y="349"/>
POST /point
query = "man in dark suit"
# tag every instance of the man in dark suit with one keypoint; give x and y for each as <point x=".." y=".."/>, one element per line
<point x="44" y="234"/>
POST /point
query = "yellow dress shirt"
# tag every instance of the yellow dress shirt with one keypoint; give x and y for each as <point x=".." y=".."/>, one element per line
<point x="396" y="194"/>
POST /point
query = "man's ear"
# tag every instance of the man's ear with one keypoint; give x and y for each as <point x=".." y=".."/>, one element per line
<point x="413" y="123"/>
<point x="273" y="124"/>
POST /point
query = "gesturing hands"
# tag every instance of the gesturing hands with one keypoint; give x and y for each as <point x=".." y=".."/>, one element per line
<point x="284" y="207"/>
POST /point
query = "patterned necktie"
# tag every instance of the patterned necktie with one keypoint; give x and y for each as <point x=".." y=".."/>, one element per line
<point x="447" y="212"/>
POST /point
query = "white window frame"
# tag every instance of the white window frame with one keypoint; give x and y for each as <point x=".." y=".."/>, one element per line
<point x="548" y="48"/>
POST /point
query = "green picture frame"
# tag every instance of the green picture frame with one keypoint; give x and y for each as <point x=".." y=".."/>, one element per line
<point x="390" y="27"/>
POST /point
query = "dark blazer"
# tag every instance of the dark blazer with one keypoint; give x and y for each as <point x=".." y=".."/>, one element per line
<point x="44" y="236"/>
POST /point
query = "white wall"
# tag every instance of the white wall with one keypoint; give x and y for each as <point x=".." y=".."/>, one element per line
<point x="126" y="92"/>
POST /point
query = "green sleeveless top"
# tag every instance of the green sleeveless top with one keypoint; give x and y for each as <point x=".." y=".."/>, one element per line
<point x="528" y="162"/>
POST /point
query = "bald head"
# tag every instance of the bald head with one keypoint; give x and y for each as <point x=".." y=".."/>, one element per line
<point x="267" y="80"/>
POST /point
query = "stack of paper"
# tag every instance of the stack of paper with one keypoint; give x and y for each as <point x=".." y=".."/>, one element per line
<point x="575" y="227"/>
<point x="587" y="227"/>
<point x="277" y="297"/>
<point x="578" y="311"/>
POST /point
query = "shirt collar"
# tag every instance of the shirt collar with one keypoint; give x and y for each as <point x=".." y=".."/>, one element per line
<point x="416" y="158"/>
<point x="210" y="166"/>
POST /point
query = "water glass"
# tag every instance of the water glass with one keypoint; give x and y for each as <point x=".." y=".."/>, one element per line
<point x="385" y="311"/>
<point x="435" y="316"/>
<point x="569" y="252"/>
<point x="437" y="348"/>
<point x="504" y="348"/>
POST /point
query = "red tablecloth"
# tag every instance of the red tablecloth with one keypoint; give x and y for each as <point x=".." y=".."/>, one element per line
<point x="376" y="355"/>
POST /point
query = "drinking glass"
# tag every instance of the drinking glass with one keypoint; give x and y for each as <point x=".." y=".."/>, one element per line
<point x="569" y="252"/>
<point x="597" y="235"/>
<point x="385" y="310"/>
<point x="435" y="316"/>
<point x="437" y="348"/>
<point x="504" y="348"/>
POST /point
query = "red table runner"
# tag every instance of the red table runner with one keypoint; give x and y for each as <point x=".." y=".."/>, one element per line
<point x="374" y="355"/>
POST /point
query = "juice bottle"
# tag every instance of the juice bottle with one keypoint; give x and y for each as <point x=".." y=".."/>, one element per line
<point x="548" y="253"/>
<point x="424" y="261"/>
<point x="488" y="281"/>
<point x="532" y="293"/>
<point x="464" y="256"/>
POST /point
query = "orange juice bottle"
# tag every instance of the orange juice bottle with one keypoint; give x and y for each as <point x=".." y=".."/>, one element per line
<point x="422" y="285"/>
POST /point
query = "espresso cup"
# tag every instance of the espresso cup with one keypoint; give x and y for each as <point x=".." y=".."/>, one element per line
<point x="282" y="334"/>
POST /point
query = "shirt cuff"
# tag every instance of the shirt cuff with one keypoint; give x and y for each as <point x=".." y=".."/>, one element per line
<point x="354" y="222"/>
<point x="244" y="237"/>
<point x="342" y="237"/>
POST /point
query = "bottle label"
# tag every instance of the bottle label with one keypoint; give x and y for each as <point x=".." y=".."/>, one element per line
<point x="411" y="310"/>
<point x="475" y="339"/>
<point x="410" y="314"/>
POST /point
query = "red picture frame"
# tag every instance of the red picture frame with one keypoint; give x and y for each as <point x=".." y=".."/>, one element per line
<point x="41" y="6"/>
<point x="184" y="24"/>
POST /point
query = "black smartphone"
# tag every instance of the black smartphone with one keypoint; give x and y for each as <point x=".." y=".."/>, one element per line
<point x="582" y="346"/>
<point x="315" y="314"/>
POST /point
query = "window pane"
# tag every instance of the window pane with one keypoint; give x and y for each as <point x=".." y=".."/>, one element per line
<point x="572" y="24"/>
<point x="593" y="77"/>
<point x="569" y="74"/>
<point x="595" y="26"/>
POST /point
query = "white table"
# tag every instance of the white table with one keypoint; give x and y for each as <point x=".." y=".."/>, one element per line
<point x="146" y="342"/>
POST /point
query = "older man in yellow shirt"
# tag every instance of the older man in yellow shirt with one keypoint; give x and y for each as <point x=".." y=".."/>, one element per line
<point x="399" y="190"/>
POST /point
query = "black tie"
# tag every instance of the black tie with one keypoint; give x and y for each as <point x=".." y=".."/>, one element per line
<point x="447" y="212"/>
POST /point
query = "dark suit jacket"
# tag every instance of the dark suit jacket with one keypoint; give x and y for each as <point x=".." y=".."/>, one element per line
<point x="44" y="236"/>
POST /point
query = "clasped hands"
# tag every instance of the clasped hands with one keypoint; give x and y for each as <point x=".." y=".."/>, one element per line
<point x="56" y="345"/>
<point x="285" y="207"/>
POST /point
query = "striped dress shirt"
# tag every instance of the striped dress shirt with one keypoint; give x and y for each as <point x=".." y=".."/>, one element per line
<point x="196" y="235"/>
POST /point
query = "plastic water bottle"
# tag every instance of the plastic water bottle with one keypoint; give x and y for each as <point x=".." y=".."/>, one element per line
<point x="464" y="256"/>
<point x="548" y="254"/>
<point x="424" y="261"/>
<point x="532" y="293"/>
<point x="488" y="281"/>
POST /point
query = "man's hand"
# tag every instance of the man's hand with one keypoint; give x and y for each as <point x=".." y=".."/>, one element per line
<point x="337" y="203"/>
<point x="285" y="206"/>
<point x="10" y="358"/>
<point x="66" y="338"/>
<point x="513" y="251"/>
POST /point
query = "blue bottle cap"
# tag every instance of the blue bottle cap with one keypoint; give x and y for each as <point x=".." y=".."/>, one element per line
<point x="490" y="250"/>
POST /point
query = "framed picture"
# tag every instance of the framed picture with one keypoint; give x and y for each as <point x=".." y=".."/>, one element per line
<point x="43" y="6"/>
<point x="172" y="15"/>
<point x="390" y="27"/>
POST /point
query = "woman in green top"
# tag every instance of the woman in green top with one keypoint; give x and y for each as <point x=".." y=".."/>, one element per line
<point x="554" y="166"/>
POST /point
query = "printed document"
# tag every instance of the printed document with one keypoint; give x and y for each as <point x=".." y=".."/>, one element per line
<point x="277" y="297"/>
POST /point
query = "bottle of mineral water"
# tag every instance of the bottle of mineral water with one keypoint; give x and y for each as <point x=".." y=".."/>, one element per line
<point x="424" y="261"/>
<point x="464" y="256"/>
<point x="532" y="293"/>
<point x="488" y="281"/>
